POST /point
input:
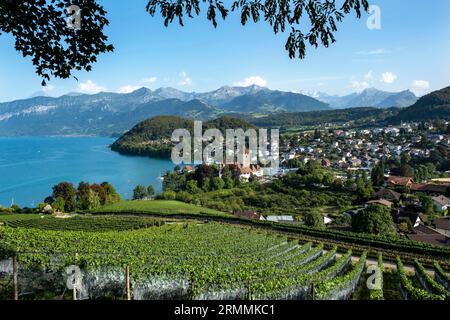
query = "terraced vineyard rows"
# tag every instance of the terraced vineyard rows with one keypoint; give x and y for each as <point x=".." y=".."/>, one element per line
<point x="429" y="289"/>
<point x="185" y="260"/>
<point x="84" y="223"/>
<point x="389" y="246"/>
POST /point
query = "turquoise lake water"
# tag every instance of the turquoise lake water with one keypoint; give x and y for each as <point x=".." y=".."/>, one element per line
<point x="30" y="166"/>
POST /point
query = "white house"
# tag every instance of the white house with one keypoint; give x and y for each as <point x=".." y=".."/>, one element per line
<point x="441" y="202"/>
<point x="280" y="218"/>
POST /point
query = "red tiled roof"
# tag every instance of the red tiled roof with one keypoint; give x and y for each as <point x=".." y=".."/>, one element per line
<point x="381" y="201"/>
<point x="400" y="181"/>
<point x="436" y="188"/>
<point x="436" y="239"/>
<point x="247" y="214"/>
<point x="442" y="223"/>
<point x="387" y="193"/>
<point x="442" y="200"/>
<point x="422" y="229"/>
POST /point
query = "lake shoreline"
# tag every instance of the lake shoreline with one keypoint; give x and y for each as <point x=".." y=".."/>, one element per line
<point x="30" y="166"/>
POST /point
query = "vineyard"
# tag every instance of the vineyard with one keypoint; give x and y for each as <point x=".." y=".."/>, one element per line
<point x="81" y="223"/>
<point x="188" y="260"/>
<point x="389" y="246"/>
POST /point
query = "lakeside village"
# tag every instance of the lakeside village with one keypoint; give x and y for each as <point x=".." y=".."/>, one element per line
<point x="392" y="181"/>
<point x="407" y="167"/>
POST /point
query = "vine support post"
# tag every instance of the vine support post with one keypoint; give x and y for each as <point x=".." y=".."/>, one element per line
<point x="127" y="282"/>
<point x="74" y="290"/>
<point x="15" y="278"/>
<point x="74" y="293"/>
<point x="249" y="290"/>
<point x="192" y="287"/>
<point x="312" y="292"/>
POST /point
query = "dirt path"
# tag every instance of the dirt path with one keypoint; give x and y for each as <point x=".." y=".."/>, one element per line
<point x="388" y="264"/>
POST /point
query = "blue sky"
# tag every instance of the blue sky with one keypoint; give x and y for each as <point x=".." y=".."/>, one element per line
<point x="410" y="51"/>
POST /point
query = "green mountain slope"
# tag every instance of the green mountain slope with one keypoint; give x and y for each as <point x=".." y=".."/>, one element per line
<point x="435" y="105"/>
<point x="152" y="137"/>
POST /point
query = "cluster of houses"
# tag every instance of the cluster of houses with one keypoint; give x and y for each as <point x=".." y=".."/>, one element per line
<point x="359" y="149"/>
<point x="436" y="231"/>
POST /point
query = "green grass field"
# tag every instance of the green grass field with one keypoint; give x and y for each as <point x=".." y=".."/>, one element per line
<point x="164" y="207"/>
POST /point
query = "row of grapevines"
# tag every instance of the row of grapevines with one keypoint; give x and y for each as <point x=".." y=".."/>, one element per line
<point x="93" y="224"/>
<point x="427" y="282"/>
<point x="408" y="290"/>
<point x="340" y="286"/>
<point x="209" y="255"/>
<point x="441" y="276"/>
<point x="377" y="293"/>
<point x="296" y="284"/>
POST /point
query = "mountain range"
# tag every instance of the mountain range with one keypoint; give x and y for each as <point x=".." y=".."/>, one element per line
<point x="370" y="97"/>
<point x="108" y="113"/>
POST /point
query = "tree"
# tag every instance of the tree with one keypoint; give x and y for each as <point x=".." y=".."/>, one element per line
<point x="150" y="191"/>
<point x="192" y="187"/>
<point x="405" y="158"/>
<point x="405" y="225"/>
<point x="206" y="184"/>
<point x="112" y="196"/>
<point x="428" y="206"/>
<point x="93" y="200"/>
<point x="139" y="192"/>
<point x="41" y="31"/>
<point x="49" y="200"/>
<point x="203" y="172"/>
<point x="364" y="187"/>
<point x="377" y="175"/>
<point x="170" y="181"/>
<point x="47" y="31"/>
<point x="407" y="171"/>
<point x="375" y="219"/>
<point x="100" y="192"/>
<point x="83" y="195"/>
<point x="317" y="134"/>
<point x="227" y="178"/>
<point x="314" y="219"/>
<point x="59" y="204"/>
<point x="217" y="183"/>
<point x="66" y="191"/>
<point x="168" y="195"/>
<point x="323" y="16"/>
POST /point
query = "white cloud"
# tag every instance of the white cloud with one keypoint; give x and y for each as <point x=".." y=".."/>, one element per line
<point x="128" y="89"/>
<point x="374" y="52"/>
<point x="48" y="88"/>
<point x="149" y="80"/>
<point x="185" y="80"/>
<point x="368" y="76"/>
<point x="359" y="85"/>
<point x="90" y="87"/>
<point x="421" y="84"/>
<point x="257" y="80"/>
<point x="388" y="77"/>
<point x="420" y="87"/>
